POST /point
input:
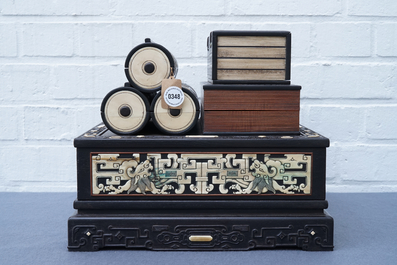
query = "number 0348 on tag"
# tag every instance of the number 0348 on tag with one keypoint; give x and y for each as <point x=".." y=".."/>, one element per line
<point x="173" y="96"/>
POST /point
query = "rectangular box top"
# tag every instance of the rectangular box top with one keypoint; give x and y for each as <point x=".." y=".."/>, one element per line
<point x="209" y="86"/>
<point x="251" y="33"/>
<point x="151" y="138"/>
<point x="251" y="38"/>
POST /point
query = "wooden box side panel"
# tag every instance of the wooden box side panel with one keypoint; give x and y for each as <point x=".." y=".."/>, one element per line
<point x="251" y="58"/>
<point x="251" y="121"/>
<point x="253" y="74"/>
<point x="251" y="41"/>
<point x="230" y="63"/>
<point x="251" y="52"/>
<point x="252" y="100"/>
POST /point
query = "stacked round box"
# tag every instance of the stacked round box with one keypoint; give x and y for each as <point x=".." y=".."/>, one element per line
<point x="127" y="110"/>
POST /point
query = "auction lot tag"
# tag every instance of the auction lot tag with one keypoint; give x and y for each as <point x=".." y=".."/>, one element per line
<point x="171" y="93"/>
<point x="173" y="96"/>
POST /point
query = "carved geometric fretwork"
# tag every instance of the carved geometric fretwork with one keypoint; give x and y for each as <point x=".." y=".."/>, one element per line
<point x="201" y="174"/>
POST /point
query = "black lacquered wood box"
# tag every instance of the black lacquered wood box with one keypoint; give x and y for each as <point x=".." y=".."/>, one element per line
<point x="249" y="57"/>
<point x="200" y="192"/>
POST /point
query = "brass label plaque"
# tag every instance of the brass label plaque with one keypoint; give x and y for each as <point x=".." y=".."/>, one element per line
<point x="200" y="238"/>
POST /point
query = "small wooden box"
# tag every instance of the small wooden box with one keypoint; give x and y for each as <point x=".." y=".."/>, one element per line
<point x="249" y="57"/>
<point x="251" y="109"/>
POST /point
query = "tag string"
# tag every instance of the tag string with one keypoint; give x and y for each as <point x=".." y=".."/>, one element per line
<point x="172" y="72"/>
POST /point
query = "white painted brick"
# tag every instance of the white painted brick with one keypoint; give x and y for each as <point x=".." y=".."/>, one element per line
<point x="10" y="118"/>
<point x="193" y="75"/>
<point x="364" y="187"/>
<point x="203" y="30"/>
<point x="105" y="39"/>
<point x="288" y="7"/>
<point x="381" y="122"/>
<point x="108" y="77"/>
<point x="300" y="36"/>
<point x="20" y="7"/>
<point x="48" y="39"/>
<point x="87" y="117"/>
<point x="304" y="112"/>
<point x="86" y="81"/>
<point x="92" y="7"/>
<point x="371" y="81"/>
<point x="386" y="39"/>
<point x="340" y="124"/>
<point x="39" y="166"/>
<point x="333" y="173"/>
<point x="9" y="166"/>
<point x="372" y="164"/>
<point x="343" y="39"/>
<point x="170" y="8"/>
<point x="176" y="37"/>
<point x="304" y="117"/>
<point x="372" y="8"/>
<point x="49" y="123"/>
<point x="24" y="82"/>
<point x="55" y="7"/>
<point x="8" y="40"/>
<point x="73" y="81"/>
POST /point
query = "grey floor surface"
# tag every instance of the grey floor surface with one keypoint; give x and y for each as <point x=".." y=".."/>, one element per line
<point x="34" y="231"/>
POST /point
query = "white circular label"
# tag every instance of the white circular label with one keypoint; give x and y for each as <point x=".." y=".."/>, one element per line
<point x="174" y="96"/>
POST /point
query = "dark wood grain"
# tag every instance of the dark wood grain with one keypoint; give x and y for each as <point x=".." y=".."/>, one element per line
<point x="243" y="74"/>
<point x="252" y="41"/>
<point x="232" y="63"/>
<point x="251" y="52"/>
<point x="251" y="100"/>
<point x="251" y="121"/>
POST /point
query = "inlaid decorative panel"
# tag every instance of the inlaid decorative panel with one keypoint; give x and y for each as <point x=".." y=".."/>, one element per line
<point x="133" y="174"/>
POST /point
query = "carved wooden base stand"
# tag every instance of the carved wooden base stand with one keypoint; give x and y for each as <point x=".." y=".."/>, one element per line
<point x="200" y="192"/>
<point x="212" y="232"/>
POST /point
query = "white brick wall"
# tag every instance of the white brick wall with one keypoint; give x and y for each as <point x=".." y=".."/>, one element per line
<point x="58" y="59"/>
